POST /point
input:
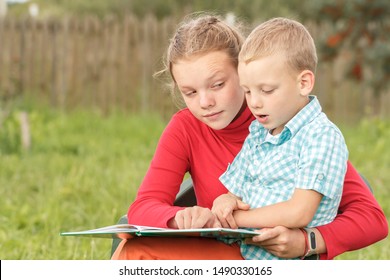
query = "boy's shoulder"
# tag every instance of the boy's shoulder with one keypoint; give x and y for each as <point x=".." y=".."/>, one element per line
<point x="321" y="125"/>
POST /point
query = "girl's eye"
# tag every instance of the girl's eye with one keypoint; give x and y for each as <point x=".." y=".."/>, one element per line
<point x="218" y="85"/>
<point x="189" y="93"/>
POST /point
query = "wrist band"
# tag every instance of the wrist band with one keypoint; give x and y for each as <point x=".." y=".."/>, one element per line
<point x="306" y="243"/>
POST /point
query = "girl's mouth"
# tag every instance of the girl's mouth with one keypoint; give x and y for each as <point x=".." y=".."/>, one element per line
<point x="213" y="116"/>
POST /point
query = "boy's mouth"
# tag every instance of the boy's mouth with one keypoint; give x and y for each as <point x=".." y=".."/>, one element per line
<point x="262" y="118"/>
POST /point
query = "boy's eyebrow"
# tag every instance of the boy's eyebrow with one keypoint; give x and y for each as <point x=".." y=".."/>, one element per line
<point x="260" y="85"/>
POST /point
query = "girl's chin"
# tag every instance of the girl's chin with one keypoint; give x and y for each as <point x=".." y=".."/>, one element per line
<point x="217" y="126"/>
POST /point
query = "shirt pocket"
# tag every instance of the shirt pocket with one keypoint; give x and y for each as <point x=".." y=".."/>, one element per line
<point x="277" y="172"/>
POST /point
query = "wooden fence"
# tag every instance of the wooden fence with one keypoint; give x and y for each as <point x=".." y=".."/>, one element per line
<point x="109" y="63"/>
<point x="86" y="62"/>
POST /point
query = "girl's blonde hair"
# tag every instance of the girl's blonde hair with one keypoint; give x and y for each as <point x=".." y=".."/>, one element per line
<point x="199" y="34"/>
<point x="281" y="35"/>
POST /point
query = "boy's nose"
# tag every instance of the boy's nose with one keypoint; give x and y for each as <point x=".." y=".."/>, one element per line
<point x="254" y="100"/>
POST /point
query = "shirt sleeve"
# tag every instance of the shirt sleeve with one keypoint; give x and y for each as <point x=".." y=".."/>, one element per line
<point x="360" y="222"/>
<point x="153" y="205"/>
<point x="323" y="162"/>
<point x="235" y="176"/>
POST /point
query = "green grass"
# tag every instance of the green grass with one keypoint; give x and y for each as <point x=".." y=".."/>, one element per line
<point x="369" y="151"/>
<point x="83" y="170"/>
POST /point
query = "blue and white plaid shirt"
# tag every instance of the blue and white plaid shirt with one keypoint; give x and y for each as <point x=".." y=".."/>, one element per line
<point x="310" y="153"/>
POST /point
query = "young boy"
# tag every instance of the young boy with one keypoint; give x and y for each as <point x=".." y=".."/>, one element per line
<point x="291" y="168"/>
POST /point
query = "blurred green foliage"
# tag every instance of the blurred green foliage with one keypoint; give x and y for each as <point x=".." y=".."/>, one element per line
<point x="360" y="29"/>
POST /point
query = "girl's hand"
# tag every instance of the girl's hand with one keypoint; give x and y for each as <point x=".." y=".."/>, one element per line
<point x="280" y="241"/>
<point x="194" y="217"/>
<point x="223" y="207"/>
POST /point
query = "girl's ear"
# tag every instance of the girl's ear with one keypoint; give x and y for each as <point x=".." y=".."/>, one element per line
<point x="306" y="82"/>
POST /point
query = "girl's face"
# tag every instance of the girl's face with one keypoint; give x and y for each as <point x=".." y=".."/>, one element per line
<point x="210" y="88"/>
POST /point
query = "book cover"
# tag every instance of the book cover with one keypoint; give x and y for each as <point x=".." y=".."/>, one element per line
<point x="125" y="231"/>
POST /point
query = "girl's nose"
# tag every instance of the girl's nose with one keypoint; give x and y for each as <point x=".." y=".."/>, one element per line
<point x="206" y="99"/>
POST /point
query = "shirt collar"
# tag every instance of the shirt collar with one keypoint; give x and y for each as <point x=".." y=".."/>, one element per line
<point x="303" y="117"/>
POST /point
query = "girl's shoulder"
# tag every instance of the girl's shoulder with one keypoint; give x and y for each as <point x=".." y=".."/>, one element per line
<point x="184" y="122"/>
<point x="184" y="117"/>
<point x="183" y="113"/>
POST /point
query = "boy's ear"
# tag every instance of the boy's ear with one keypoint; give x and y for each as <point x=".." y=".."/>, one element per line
<point x="306" y="82"/>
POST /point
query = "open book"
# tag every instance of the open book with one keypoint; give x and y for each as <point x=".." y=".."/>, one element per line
<point x="125" y="231"/>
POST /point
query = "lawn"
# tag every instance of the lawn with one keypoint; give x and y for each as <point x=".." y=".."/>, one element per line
<point x="83" y="170"/>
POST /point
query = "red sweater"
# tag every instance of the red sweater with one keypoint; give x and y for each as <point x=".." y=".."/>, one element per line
<point x="188" y="145"/>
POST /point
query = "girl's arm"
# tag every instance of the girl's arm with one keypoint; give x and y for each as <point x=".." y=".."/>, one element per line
<point x="153" y="205"/>
<point x="360" y="222"/>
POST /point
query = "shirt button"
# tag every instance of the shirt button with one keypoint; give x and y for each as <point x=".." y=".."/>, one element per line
<point x="320" y="176"/>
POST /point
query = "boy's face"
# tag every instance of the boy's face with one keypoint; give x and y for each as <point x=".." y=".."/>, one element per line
<point x="210" y="88"/>
<point x="273" y="91"/>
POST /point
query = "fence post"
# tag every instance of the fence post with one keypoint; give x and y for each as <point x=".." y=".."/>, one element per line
<point x="25" y="131"/>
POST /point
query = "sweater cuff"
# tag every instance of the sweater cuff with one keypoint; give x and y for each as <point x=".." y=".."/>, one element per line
<point x="329" y="248"/>
<point x="171" y="214"/>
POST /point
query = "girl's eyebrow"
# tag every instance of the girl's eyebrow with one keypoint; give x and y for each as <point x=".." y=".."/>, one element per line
<point x="211" y="77"/>
<point x="185" y="88"/>
<point x="214" y="74"/>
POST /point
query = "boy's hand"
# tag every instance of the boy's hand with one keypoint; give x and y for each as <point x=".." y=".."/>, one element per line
<point x="223" y="207"/>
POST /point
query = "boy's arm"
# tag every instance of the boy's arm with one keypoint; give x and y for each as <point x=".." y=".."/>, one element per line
<point x="360" y="222"/>
<point x="293" y="213"/>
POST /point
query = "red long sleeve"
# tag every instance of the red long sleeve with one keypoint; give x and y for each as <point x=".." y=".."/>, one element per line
<point x="361" y="221"/>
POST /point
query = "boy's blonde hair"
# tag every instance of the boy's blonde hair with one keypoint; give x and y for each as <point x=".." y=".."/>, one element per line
<point x="199" y="34"/>
<point x="281" y="35"/>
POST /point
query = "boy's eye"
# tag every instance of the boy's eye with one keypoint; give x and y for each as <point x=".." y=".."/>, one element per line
<point x="267" y="91"/>
<point x="245" y="90"/>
